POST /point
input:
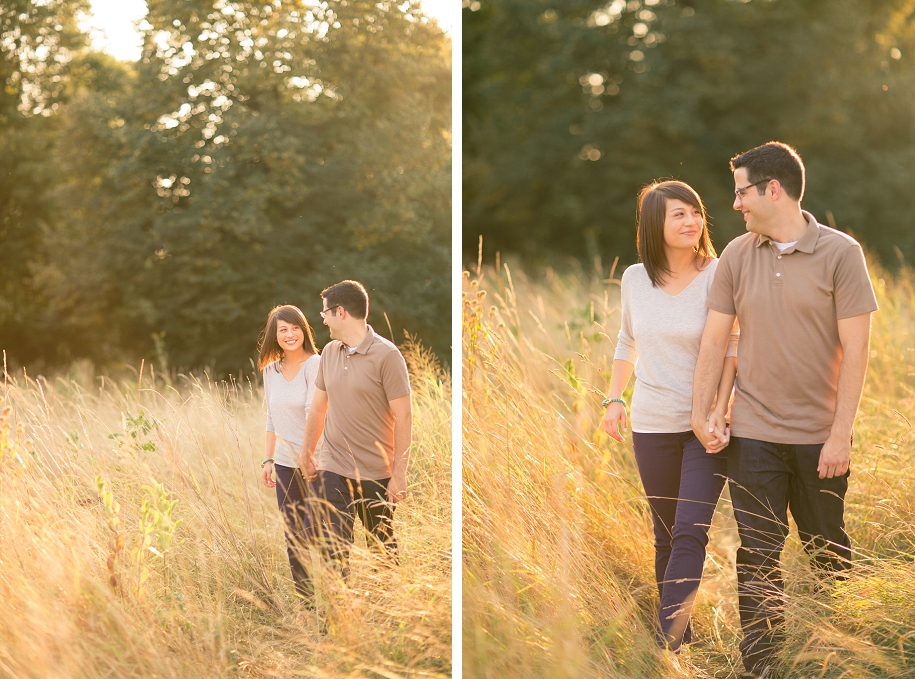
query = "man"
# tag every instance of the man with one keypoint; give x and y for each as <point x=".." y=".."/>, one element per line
<point x="802" y="296"/>
<point x="362" y="407"/>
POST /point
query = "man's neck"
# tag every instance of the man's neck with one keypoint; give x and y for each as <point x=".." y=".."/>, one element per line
<point x="788" y="227"/>
<point x="352" y="337"/>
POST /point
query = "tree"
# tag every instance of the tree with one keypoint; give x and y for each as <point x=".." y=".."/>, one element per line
<point x="677" y="90"/>
<point x="37" y="41"/>
<point x="258" y="152"/>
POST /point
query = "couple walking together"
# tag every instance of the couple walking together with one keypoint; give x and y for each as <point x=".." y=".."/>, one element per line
<point x="783" y="320"/>
<point x="338" y="430"/>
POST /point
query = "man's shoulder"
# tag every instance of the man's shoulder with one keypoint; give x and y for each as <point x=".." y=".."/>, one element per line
<point x="833" y="238"/>
<point x="744" y="243"/>
<point x="330" y="352"/>
<point x="384" y="346"/>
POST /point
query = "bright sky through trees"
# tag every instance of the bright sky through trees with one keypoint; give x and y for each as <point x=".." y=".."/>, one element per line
<point x="112" y="23"/>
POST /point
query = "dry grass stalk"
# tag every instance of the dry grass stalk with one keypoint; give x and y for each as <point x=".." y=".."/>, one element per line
<point x="136" y="540"/>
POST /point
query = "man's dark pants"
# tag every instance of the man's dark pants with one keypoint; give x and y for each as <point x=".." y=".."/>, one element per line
<point x="766" y="480"/>
<point x="324" y="512"/>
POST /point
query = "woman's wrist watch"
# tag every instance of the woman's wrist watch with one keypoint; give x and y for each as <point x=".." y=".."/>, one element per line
<point x="608" y="401"/>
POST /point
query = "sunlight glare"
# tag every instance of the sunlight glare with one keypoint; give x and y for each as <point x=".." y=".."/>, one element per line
<point x="112" y="24"/>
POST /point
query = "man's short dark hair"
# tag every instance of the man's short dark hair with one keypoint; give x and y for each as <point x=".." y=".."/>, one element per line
<point x="774" y="160"/>
<point x="351" y="295"/>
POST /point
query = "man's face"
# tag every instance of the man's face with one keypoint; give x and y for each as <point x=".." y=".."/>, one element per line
<point x="747" y="199"/>
<point x="332" y="319"/>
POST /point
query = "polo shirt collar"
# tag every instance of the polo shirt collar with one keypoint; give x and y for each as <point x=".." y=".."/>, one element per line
<point x="806" y="243"/>
<point x="365" y="343"/>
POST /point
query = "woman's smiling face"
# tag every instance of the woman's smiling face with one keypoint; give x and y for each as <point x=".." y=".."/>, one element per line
<point x="683" y="225"/>
<point x="289" y="336"/>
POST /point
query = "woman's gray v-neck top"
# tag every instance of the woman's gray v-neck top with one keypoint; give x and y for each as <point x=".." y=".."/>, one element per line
<point x="287" y="408"/>
<point x="660" y="334"/>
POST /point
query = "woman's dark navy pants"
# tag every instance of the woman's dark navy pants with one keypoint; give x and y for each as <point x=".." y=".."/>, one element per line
<point x="683" y="484"/>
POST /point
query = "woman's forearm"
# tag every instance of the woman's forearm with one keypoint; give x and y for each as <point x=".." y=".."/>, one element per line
<point x="270" y="448"/>
<point x="622" y="372"/>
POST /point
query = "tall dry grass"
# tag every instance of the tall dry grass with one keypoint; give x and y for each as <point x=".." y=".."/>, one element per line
<point x="558" y="557"/>
<point x="137" y="540"/>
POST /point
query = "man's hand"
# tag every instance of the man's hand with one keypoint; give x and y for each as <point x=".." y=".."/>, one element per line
<point x="397" y="488"/>
<point x="615" y="421"/>
<point x="310" y="469"/>
<point x="835" y="457"/>
<point x="267" y="474"/>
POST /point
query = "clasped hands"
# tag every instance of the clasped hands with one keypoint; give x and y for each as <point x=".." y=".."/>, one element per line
<point x="713" y="433"/>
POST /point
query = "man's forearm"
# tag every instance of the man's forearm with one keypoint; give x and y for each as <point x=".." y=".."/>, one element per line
<point x="852" y="373"/>
<point x="726" y="385"/>
<point x="403" y="439"/>
<point x="709" y="364"/>
<point x="854" y="336"/>
<point x="314" y="427"/>
<point x="706" y="380"/>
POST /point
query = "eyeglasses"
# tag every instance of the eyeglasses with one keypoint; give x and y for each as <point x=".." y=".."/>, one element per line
<point x="739" y="192"/>
<point x="327" y="310"/>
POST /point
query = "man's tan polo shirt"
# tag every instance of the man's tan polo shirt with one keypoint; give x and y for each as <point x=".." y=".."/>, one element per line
<point x="787" y="304"/>
<point x="358" y="439"/>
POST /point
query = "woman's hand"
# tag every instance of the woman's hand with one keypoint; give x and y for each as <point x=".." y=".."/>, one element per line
<point x="718" y="428"/>
<point x="267" y="474"/>
<point x="615" y="421"/>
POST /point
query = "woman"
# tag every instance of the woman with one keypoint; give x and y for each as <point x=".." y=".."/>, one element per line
<point x="288" y="359"/>
<point x="664" y="312"/>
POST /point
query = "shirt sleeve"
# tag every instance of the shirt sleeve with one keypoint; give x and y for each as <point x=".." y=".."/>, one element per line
<point x="312" y="370"/>
<point x="852" y="288"/>
<point x="319" y="378"/>
<point x="625" y="342"/>
<point x="395" y="380"/>
<point x="721" y="295"/>
<point x="267" y="399"/>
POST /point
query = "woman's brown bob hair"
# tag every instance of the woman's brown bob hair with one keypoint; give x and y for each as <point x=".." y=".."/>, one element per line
<point x="269" y="350"/>
<point x="652" y="214"/>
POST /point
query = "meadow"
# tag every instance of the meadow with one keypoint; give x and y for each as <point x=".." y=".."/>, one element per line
<point x="557" y="544"/>
<point x="137" y="539"/>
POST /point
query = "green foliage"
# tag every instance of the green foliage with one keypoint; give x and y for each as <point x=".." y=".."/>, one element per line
<point x="136" y="430"/>
<point x="257" y="153"/>
<point x="152" y="541"/>
<point x="572" y="105"/>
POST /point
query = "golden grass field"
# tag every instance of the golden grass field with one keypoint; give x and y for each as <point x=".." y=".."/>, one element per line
<point x="558" y="557"/>
<point x="138" y="541"/>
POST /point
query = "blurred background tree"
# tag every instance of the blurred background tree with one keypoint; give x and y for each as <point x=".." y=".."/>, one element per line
<point x="37" y="42"/>
<point x="256" y="153"/>
<point x="570" y="106"/>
